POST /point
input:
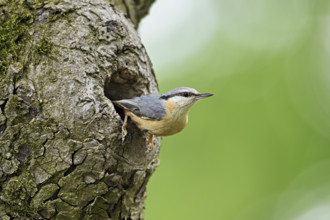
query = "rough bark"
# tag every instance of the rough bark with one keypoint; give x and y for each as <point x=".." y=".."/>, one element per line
<point x="61" y="64"/>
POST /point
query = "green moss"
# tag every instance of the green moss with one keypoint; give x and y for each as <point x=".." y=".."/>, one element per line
<point x="14" y="27"/>
<point x="46" y="46"/>
<point x="17" y="194"/>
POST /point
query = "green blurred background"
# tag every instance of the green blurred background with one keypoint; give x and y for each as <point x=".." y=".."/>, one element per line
<point x="259" y="149"/>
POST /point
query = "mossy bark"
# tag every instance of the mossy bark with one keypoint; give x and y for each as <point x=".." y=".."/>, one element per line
<point x="61" y="64"/>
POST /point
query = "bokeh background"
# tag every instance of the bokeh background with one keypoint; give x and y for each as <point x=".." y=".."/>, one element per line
<point x="259" y="149"/>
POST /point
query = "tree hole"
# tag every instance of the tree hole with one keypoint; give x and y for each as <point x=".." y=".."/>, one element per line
<point x="121" y="85"/>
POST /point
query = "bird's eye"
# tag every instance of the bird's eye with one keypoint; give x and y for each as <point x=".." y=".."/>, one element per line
<point x="185" y="94"/>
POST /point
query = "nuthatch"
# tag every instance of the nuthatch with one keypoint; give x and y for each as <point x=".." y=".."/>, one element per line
<point x="160" y="115"/>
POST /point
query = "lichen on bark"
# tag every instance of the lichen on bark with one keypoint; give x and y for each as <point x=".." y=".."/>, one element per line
<point x="61" y="156"/>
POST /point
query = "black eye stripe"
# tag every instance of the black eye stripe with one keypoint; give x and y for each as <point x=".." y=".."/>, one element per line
<point x="183" y="94"/>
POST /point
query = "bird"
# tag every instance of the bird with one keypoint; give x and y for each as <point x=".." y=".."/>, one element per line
<point x="160" y="115"/>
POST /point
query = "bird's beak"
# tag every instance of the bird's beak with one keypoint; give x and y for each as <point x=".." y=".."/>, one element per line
<point x="203" y="95"/>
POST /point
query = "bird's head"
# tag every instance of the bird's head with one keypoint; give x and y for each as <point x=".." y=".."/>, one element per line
<point x="184" y="97"/>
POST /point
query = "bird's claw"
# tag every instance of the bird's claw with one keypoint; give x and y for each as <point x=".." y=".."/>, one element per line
<point x="123" y="135"/>
<point x="150" y="139"/>
<point x="123" y="129"/>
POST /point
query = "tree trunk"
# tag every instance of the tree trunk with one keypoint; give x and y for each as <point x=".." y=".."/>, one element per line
<point x="61" y="64"/>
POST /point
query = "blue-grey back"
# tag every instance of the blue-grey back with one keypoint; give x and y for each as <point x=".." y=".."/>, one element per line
<point x="149" y="107"/>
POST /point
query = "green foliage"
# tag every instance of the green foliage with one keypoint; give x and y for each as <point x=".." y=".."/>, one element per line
<point x="259" y="148"/>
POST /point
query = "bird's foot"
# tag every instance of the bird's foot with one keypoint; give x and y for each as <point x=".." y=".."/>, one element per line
<point x="124" y="130"/>
<point x="150" y="139"/>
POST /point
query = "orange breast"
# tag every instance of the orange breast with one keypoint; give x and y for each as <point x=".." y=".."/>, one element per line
<point x="167" y="126"/>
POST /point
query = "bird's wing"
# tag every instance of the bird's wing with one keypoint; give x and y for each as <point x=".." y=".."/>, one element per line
<point x="128" y="104"/>
<point x="147" y="107"/>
